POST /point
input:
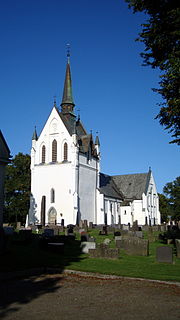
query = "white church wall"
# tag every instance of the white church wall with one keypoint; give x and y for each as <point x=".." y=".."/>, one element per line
<point x="126" y="216"/>
<point x="87" y="189"/>
<point x="100" y="208"/>
<point x="152" y="203"/>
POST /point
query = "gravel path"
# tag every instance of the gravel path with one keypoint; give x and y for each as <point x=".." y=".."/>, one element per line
<point x="75" y="296"/>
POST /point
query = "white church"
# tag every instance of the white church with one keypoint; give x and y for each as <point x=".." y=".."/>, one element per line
<point x="67" y="185"/>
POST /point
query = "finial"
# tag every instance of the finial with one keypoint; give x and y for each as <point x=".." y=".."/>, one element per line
<point x="97" y="133"/>
<point x="54" y="101"/>
<point x="68" y="50"/>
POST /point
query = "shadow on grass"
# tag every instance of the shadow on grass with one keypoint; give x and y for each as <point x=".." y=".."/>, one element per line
<point x="24" y="267"/>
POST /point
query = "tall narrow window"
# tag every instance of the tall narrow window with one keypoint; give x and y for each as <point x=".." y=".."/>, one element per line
<point x="54" y="151"/>
<point x="52" y="195"/>
<point x="43" y="154"/>
<point x="65" y="151"/>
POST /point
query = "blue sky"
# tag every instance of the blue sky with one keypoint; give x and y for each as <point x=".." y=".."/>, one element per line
<point x="110" y="87"/>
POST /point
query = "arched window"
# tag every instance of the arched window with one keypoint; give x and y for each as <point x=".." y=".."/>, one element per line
<point x="54" y="151"/>
<point x="65" y="151"/>
<point x="52" y="195"/>
<point x="43" y="159"/>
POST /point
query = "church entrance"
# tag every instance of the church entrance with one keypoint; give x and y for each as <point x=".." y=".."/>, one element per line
<point x="52" y="216"/>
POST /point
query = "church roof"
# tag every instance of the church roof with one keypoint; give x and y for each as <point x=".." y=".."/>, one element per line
<point x="109" y="188"/>
<point x="132" y="186"/>
<point x="4" y="150"/>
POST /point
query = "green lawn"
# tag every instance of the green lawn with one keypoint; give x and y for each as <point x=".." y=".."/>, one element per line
<point x="21" y="256"/>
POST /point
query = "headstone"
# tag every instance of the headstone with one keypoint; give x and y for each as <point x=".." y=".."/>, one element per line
<point x="48" y="232"/>
<point x="104" y="252"/>
<point x="103" y="232"/>
<point x="84" y="237"/>
<point x="86" y="246"/>
<point x="135" y="226"/>
<point x="92" y="239"/>
<point x="25" y="234"/>
<point x="85" y="224"/>
<point x="134" y="246"/>
<point x="177" y="243"/>
<point x="107" y="241"/>
<point x="164" y="254"/>
<point x="117" y="233"/>
<point x="81" y="224"/>
<point x="18" y="225"/>
<point x="118" y="238"/>
<point x="139" y="234"/>
<point x="9" y="231"/>
<point x="90" y="225"/>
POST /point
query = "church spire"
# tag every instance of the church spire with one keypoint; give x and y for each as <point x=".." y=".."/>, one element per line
<point x="67" y="104"/>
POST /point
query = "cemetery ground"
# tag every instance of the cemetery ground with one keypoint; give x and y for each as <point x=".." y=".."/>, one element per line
<point x="40" y="284"/>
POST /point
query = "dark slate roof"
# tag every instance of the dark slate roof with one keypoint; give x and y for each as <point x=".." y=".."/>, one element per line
<point x="4" y="150"/>
<point x="108" y="187"/>
<point x="132" y="186"/>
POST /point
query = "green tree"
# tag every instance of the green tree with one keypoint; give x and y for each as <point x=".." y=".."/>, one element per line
<point x="164" y="207"/>
<point x="161" y="37"/>
<point x="17" y="188"/>
<point x="172" y="191"/>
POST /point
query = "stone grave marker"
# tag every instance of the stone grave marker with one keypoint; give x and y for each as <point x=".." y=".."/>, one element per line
<point x="135" y="226"/>
<point x="87" y="245"/>
<point x="164" y="254"/>
<point x="90" y="225"/>
<point x="103" y="251"/>
<point x="134" y="246"/>
<point x="139" y="234"/>
<point x="48" y="232"/>
<point x="9" y="231"/>
<point x="84" y="237"/>
<point x="107" y="241"/>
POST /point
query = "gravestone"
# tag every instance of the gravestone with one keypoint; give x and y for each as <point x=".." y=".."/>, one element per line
<point x="117" y="233"/>
<point x="118" y="238"/>
<point x="107" y="241"/>
<point x="135" y="226"/>
<point x="86" y="246"/>
<point x="92" y="239"/>
<point x="48" y="232"/>
<point x="134" y="246"/>
<point x="90" y="225"/>
<point x="25" y="234"/>
<point x="177" y="243"/>
<point x="139" y="234"/>
<point x="164" y="254"/>
<point x="18" y="225"/>
<point x="103" y="232"/>
<point x="9" y="231"/>
<point x="104" y="252"/>
<point x="84" y="237"/>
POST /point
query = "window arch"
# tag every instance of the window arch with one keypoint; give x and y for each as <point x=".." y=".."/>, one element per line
<point x="65" y="151"/>
<point x="54" y="151"/>
<point x="52" y="195"/>
<point x="43" y="159"/>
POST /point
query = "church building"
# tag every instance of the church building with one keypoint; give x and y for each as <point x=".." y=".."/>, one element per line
<point x="67" y="185"/>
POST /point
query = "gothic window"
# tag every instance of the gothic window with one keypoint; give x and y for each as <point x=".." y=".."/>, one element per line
<point x="54" y="151"/>
<point x="65" y="151"/>
<point x="43" y="154"/>
<point x="52" y="195"/>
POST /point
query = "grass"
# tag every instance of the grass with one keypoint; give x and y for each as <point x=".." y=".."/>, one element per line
<point x="21" y="256"/>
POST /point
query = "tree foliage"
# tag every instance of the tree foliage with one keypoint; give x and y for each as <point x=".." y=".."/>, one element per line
<point x="172" y="191"/>
<point x="164" y="207"/>
<point x="17" y="188"/>
<point x="161" y="37"/>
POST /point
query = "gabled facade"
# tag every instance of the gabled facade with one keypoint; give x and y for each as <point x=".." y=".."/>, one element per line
<point x="4" y="160"/>
<point x="66" y="183"/>
<point x="64" y="167"/>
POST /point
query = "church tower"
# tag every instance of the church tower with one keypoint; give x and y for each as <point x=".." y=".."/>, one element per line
<point x="64" y="167"/>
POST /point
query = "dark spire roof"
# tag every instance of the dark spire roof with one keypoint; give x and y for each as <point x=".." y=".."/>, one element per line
<point x="34" y="137"/>
<point x="97" y="141"/>
<point x="67" y="103"/>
